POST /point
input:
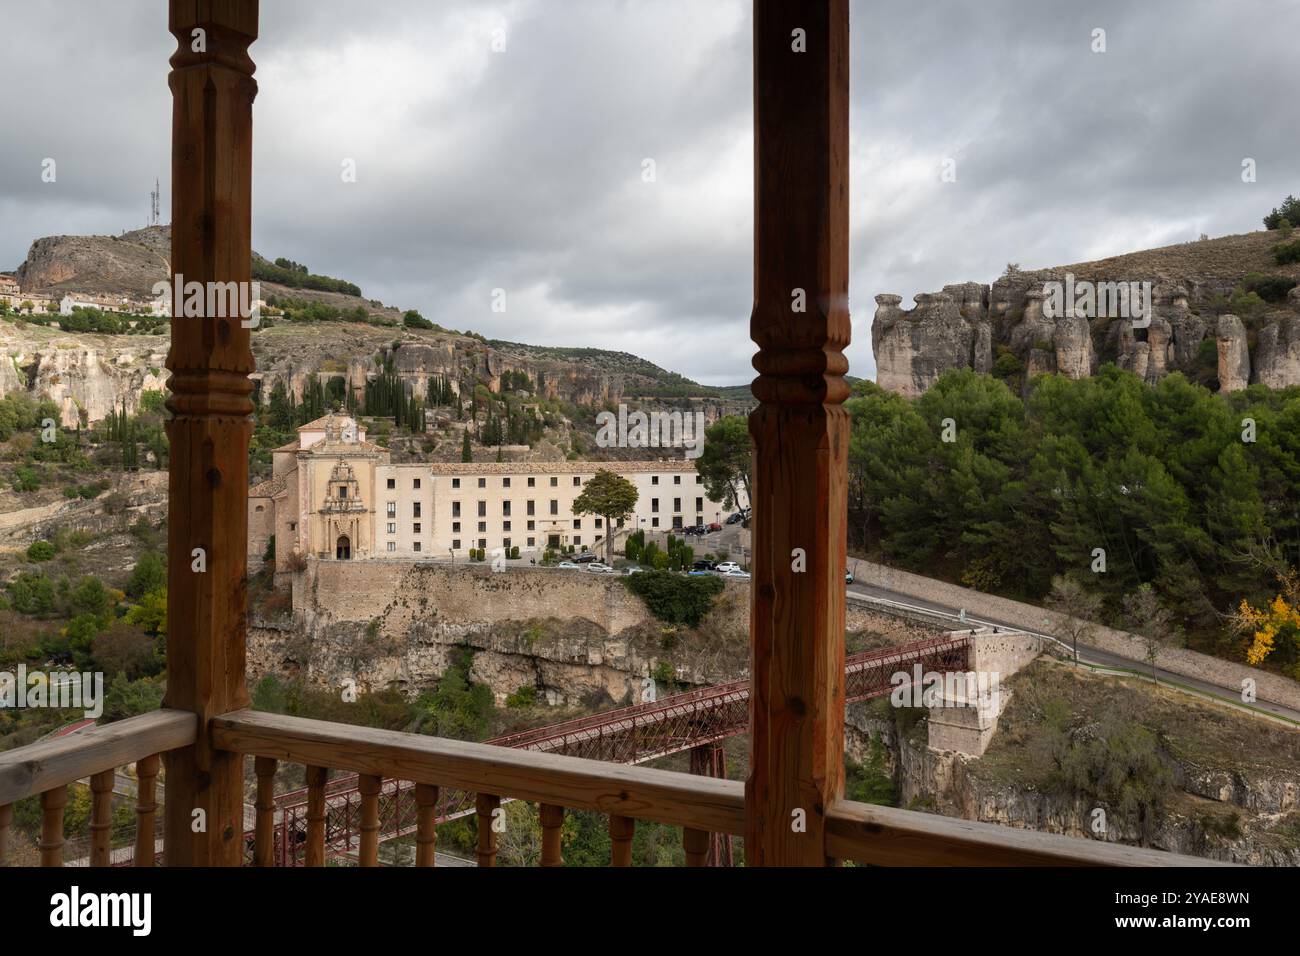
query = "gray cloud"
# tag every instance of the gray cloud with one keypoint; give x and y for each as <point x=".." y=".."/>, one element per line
<point x="522" y="170"/>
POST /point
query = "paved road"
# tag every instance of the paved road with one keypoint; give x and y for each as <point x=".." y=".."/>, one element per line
<point x="1090" y="655"/>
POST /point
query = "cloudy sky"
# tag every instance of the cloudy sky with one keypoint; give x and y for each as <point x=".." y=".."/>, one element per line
<point x="521" y="169"/>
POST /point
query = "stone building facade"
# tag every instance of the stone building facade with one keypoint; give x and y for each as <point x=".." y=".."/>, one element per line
<point x="333" y="495"/>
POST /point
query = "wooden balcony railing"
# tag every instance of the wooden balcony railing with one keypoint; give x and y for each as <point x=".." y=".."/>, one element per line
<point x="48" y="768"/>
<point x="701" y="806"/>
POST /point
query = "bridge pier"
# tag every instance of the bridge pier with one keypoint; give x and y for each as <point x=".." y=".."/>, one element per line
<point x="710" y="760"/>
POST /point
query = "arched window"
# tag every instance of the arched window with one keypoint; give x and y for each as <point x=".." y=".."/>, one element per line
<point x="343" y="549"/>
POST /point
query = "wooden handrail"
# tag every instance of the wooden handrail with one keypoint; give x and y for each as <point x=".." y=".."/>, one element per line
<point x="888" y="836"/>
<point x="884" y="836"/>
<point x="44" y="766"/>
<point x="679" y="799"/>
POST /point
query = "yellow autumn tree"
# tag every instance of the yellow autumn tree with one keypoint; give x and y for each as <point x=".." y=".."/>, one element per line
<point x="1279" y="621"/>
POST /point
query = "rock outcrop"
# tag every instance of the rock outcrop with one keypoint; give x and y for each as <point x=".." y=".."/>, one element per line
<point x="1187" y="289"/>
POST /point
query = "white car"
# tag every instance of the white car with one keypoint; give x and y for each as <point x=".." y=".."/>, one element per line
<point x="569" y="566"/>
<point x="726" y="567"/>
<point x="598" y="568"/>
<point x="737" y="574"/>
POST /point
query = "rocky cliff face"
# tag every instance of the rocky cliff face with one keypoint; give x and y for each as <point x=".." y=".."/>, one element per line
<point x="88" y="375"/>
<point x="1191" y="330"/>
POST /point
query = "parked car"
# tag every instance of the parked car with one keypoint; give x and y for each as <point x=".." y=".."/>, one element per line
<point x="714" y="527"/>
<point x="848" y="577"/>
<point x="736" y="518"/>
<point x="697" y="529"/>
<point x="737" y="574"/>
<point x="726" y="567"/>
<point x="696" y="573"/>
<point x="597" y="567"/>
<point x="630" y="571"/>
<point x="585" y="558"/>
<point x="702" y="565"/>
<point x="569" y="566"/>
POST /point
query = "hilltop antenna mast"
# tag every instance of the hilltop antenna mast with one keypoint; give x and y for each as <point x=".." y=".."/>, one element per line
<point x="154" y="197"/>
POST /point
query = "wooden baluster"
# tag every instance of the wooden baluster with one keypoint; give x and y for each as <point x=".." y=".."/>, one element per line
<point x="146" y="806"/>
<point x="264" y="834"/>
<point x="315" y="851"/>
<point x="211" y="407"/>
<point x="51" y="846"/>
<point x="621" y="832"/>
<point x="800" y="429"/>
<point x="369" y="787"/>
<point x="552" y="830"/>
<point x="426" y="837"/>
<point x="101" y="817"/>
<point x="696" y="844"/>
<point x="6" y="818"/>
<point x="485" y="808"/>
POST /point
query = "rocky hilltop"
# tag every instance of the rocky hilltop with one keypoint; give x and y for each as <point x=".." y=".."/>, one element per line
<point x="90" y="374"/>
<point x="1207" y="322"/>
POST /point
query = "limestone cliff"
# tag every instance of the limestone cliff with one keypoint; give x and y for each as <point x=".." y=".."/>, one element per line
<point x="1194" y="289"/>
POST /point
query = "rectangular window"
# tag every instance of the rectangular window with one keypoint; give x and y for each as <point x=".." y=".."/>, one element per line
<point x="699" y="504"/>
<point x="654" y="504"/>
<point x="598" y="524"/>
<point x="505" y="482"/>
<point x="455" y="545"/>
<point x="577" y="482"/>
<point x="417" y="484"/>
<point x="455" y="527"/>
<point x="654" y="522"/>
<point x="392" y="527"/>
<point x="532" y="526"/>
<point x="532" y="482"/>
<point x="392" y="484"/>
<point x="532" y="508"/>
<point x="532" y="542"/>
<point x="505" y="543"/>
<point x="343" y="491"/>
<point x="392" y="509"/>
<point x="555" y="482"/>
<point x="415" y="510"/>
<point x="415" y="528"/>
<point x="482" y="543"/>
<point x="505" y="509"/>
<point x="482" y="527"/>
<point x="482" y="482"/>
<point x="505" y="526"/>
<point x="677" y="479"/>
<point x="482" y="509"/>
<point x="455" y="482"/>
<point x="577" y="539"/>
<point x="455" y="509"/>
<point x="392" y="546"/>
<point x="677" y="504"/>
<point x="555" y="507"/>
<point x="418" y="546"/>
<point x="654" y="479"/>
<point x="577" y="524"/>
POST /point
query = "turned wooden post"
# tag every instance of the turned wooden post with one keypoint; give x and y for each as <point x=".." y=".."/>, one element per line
<point x="621" y="832"/>
<point x="800" y="428"/>
<point x="696" y="843"/>
<point x="552" y="832"/>
<point x="426" y="837"/>
<point x="210" y="360"/>
<point x="264" y="832"/>
<point x="369" y="786"/>
<point x="101" y="817"/>
<point x="146" y="806"/>
<point x="51" y="845"/>
<point x="314" y="853"/>
<point x="485" y="807"/>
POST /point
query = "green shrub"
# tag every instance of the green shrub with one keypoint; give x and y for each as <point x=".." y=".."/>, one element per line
<point x="39" y="551"/>
<point x="1286" y="252"/>
<point x="1268" y="288"/>
<point x="673" y="598"/>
